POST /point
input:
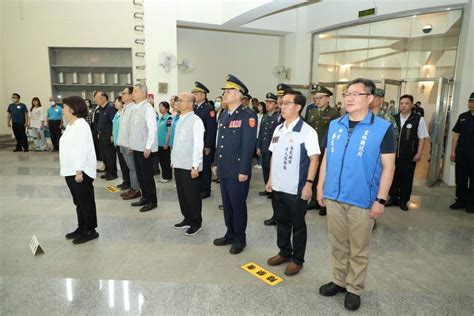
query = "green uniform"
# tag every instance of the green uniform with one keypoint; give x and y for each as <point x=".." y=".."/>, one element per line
<point x="389" y="118"/>
<point x="319" y="120"/>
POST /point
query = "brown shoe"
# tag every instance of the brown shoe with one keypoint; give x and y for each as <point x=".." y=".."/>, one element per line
<point x="277" y="260"/>
<point x="293" y="269"/>
<point x="126" y="193"/>
<point x="132" y="195"/>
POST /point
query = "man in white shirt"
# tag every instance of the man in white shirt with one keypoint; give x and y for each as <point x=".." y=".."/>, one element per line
<point x="412" y="133"/>
<point x="144" y="143"/>
<point x="295" y="156"/>
<point x="187" y="162"/>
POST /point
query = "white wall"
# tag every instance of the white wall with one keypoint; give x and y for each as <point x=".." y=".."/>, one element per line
<point x="4" y="99"/>
<point x="31" y="26"/>
<point x="216" y="54"/>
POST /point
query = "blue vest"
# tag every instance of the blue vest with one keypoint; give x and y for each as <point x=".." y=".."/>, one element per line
<point x="353" y="165"/>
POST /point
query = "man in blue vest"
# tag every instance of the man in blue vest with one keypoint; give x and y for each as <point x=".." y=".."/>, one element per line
<point x="207" y="114"/>
<point x="237" y="135"/>
<point x="354" y="180"/>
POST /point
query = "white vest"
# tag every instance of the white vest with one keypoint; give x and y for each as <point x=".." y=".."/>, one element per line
<point x="183" y="144"/>
<point x="123" y="138"/>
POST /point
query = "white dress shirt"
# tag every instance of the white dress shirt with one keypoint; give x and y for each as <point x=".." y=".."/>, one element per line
<point x="422" y="131"/>
<point x="76" y="150"/>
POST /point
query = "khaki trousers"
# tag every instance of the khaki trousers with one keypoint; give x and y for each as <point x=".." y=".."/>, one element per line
<point x="350" y="228"/>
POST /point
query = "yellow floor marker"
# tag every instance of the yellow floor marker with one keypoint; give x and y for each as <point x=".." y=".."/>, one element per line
<point x="264" y="275"/>
<point x="112" y="188"/>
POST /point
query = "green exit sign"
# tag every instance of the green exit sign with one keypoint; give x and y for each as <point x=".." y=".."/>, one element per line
<point x="367" y="12"/>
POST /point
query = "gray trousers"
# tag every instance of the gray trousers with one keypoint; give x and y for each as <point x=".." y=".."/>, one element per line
<point x="128" y="156"/>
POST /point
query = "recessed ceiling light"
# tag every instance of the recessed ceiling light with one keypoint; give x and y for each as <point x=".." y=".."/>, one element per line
<point x="414" y="16"/>
<point x="448" y="9"/>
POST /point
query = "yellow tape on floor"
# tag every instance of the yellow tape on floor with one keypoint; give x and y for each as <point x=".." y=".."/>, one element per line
<point x="112" y="188"/>
<point x="264" y="275"/>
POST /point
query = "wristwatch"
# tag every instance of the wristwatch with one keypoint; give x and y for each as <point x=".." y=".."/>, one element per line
<point x="381" y="201"/>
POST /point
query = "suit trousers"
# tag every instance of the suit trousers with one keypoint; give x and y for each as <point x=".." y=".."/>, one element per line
<point x="164" y="156"/>
<point x="123" y="166"/>
<point x="84" y="200"/>
<point x="402" y="184"/>
<point x="144" y="167"/>
<point x="128" y="157"/>
<point x="234" y="197"/>
<point x="464" y="172"/>
<point x="189" y="197"/>
<point x="290" y="211"/>
<point x="350" y="229"/>
<point x="266" y="160"/>
<point x="54" y="132"/>
<point x="205" y="176"/>
<point x="20" y="135"/>
<point x="109" y="156"/>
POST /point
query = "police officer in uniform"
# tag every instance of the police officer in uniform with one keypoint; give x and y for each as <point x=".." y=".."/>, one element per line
<point x="269" y="122"/>
<point x="319" y="118"/>
<point x="462" y="154"/>
<point x="207" y="114"/>
<point x="411" y="138"/>
<point x="246" y="100"/>
<point x="234" y="152"/>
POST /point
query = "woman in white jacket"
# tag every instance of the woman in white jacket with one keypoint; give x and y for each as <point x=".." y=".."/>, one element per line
<point x="78" y="165"/>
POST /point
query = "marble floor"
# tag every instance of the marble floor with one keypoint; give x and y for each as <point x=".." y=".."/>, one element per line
<point x="421" y="262"/>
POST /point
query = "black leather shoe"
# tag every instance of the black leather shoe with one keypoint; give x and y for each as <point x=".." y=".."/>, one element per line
<point x="140" y="202"/>
<point x="237" y="248"/>
<point x="269" y="222"/>
<point x="269" y="196"/>
<point x="352" y="301"/>
<point x="404" y="206"/>
<point x="148" y="207"/>
<point x="311" y="206"/>
<point x="457" y="205"/>
<point x="222" y="241"/>
<point x="85" y="237"/>
<point x="103" y="176"/>
<point x="470" y="210"/>
<point x="110" y="178"/>
<point x="17" y="150"/>
<point x="263" y="193"/>
<point x="322" y="211"/>
<point x="73" y="234"/>
<point x="331" y="289"/>
<point x="391" y="202"/>
<point x="221" y="207"/>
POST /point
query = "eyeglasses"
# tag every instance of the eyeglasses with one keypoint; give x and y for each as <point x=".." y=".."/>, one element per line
<point x="354" y="94"/>
<point x="182" y="100"/>
<point x="287" y="103"/>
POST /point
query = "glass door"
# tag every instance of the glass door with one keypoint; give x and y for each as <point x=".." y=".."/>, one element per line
<point x="393" y="91"/>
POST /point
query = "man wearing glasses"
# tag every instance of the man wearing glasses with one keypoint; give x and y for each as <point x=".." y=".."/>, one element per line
<point x="354" y="180"/>
<point x="319" y="118"/>
<point x="187" y="162"/>
<point x="237" y="135"/>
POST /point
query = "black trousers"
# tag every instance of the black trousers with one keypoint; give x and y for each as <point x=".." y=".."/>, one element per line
<point x="95" y="138"/>
<point x="84" y="200"/>
<point x="266" y="159"/>
<point x="54" y="132"/>
<point x="123" y="166"/>
<point x="189" y="197"/>
<point x="234" y="198"/>
<point x="144" y="168"/>
<point x="464" y="172"/>
<point x="205" y="176"/>
<point x="290" y="211"/>
<point x="20" y="135"/>
<point x="164" y="156"/>
<point x="314" y="199"/>
<point x="402" y="184"/>
<point x="109" y="156"/>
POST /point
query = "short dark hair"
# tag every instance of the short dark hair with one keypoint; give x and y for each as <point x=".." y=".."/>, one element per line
<point x="407" y="96"/>
<point x="369" y="85"/>
<point x="254" y="99"/>
<point x="16" y="95"/>
<point x="77" y="105"/>
<point x="299" y="98"/>
<point x="119" y="98"/>
<point x="129" y="89"/>
<point x="104" y="94"/>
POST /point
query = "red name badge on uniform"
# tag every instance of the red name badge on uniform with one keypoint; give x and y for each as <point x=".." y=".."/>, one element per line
<point x="235" y="124"/>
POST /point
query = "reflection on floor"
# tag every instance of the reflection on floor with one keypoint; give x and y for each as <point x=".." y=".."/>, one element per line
<point x="421" y="260"/>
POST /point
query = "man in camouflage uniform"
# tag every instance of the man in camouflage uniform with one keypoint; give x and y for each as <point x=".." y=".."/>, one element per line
<point x="319" y="118"/>
<point x="375" y="107"/>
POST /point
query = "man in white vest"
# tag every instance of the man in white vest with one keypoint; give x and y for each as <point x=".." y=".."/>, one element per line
<point x="143" y="135"/>
<point x="187" y="161"/>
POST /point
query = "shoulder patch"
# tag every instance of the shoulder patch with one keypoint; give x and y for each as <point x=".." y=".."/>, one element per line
<point x="251" y="122"/>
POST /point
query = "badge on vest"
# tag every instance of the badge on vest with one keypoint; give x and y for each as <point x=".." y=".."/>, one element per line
<point x="18" y="107"/>
<point x="275" y="139"/>
<point x="235" y="124"/>
<point x="409" y="125"/>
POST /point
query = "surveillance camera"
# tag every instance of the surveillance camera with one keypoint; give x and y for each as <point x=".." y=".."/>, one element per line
<point x="427" y="28"/>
